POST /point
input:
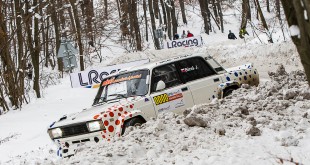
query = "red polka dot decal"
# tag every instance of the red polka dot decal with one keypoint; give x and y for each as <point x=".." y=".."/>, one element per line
<point x="96" y="117"/>
<point x="106" y="123"/>
<point x="114" y="117"/>
<point x="111" y="114"/>
<point x="111" y="128"/>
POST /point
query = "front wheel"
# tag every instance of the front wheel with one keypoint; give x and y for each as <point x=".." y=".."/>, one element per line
<point x="135" y="122"/>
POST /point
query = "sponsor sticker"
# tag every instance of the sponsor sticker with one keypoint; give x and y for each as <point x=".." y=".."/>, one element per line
<point x="160" y="99"/>
<point x="113" y="80"/>
<point x="163" y="98"/>
<point x="188" y="69"/>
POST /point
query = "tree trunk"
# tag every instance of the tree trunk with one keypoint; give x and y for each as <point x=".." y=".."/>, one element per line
<point x="57" y="31"/>
<point x="263" y="20"/>
<point x="124" y="18"/>
<point x="249" y="10"/>
<point x="145" y="21"/>
<point x="183" y="11"/>
<point x="136" y="26"/>
<point x="156" y="8"/>
<point x="244" y="14"/>
<point x="35" y="56"/>
<point x="153" y="24"/>
<point x="174" y="19"/>
<point x="168" y="10"/>
<point x="21" y="57"/>
<point x="214" y="7"/>
<point x="8" y="66"/>
<point x="106" y="9"/>
<point x="164" y="13"/>
<point x="221" y="15"/>
<point x="78" y="32"/>
<point x="295" y="15"/>
<point x="268" y="8"/>
<point x="204" y="11"/>
<point x="88" y="8"/>
<point x="119" y="9"/>
<point x="261" y="15"/>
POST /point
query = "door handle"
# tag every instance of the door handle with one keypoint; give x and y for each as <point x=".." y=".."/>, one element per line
<point x="184" y="89"/>
<point x="216" y="79"/>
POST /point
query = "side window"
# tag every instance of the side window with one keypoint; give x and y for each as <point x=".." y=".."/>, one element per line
<point x="168" y="74"/>
<point x="194" y="68"/>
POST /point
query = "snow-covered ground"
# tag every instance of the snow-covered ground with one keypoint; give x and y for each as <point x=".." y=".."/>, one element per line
<point x="279" y="107"/>
<point x="277" y="111"/>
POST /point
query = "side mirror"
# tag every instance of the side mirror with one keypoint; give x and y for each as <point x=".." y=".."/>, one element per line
<point x="160" y="85"/>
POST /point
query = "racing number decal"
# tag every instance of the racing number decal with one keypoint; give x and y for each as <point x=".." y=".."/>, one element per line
<point x="160" y="99"/>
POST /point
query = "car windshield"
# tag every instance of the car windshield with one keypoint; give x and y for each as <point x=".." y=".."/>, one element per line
<point x="123" y="86"/>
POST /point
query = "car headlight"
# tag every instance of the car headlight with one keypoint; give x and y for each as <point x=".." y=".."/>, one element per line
<point x="95" y="126"/>
<point x="55" y="133"/>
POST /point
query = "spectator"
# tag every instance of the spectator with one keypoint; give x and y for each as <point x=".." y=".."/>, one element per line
<point x="176" y="36"/>
<point x="231" y="35"/>
<point x="242" y="33"/>
<point x="183" y="34"/>
<point x="189" y="34"/>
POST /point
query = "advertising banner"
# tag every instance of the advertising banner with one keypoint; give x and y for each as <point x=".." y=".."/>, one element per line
<point x="89" y="78"/>
<point x="186" y="42"/>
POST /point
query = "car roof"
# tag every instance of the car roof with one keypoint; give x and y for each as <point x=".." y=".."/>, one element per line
<point x="152" y="65"/>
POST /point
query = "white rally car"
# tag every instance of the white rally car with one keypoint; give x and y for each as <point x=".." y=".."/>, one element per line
<point x="135" y="95"/>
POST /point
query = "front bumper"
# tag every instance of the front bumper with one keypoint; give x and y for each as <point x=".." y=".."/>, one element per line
<point x="69" y="146"/>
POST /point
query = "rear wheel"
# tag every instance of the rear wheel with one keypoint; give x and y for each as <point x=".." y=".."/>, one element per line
<point x="228" y="91"/>
<point x="135" y="122"/>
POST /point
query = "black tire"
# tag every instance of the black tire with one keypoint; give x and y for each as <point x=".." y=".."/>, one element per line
<point x="227" y="92"/>
<point x="137" y="121"/>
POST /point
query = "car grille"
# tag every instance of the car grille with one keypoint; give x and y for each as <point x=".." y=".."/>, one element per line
<point x="73" y="130"/>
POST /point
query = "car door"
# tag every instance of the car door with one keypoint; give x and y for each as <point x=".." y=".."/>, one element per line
<point x="202" y="80"/>
<point x="175" y="96"/>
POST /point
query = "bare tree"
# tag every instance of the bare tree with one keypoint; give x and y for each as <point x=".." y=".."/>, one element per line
<point x="145" y="21"/>
<point x="78" y="32"/>
<point x="297" y="15"/>
<point x="183" y="11"/>
<point x="174" y="19"/>
<point x="163" y="7"/>
<point x="204" y="13"/>
<point x="35" y="55"/>
<point x="156" y="42"/>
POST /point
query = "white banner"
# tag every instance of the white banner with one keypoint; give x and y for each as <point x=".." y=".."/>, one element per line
<point x="186" y="42"/>
<point x="92" y="77"/>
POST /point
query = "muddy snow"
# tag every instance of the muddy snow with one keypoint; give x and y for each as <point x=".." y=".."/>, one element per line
<point x="255" y="125"/>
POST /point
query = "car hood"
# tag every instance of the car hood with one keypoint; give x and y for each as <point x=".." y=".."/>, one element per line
<point x="88" y="114"/>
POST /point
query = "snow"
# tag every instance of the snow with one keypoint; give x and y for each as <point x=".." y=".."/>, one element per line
<point x="294" y="30"/>
<point x="279" y="109"/>
<point x="38" y="16"/>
